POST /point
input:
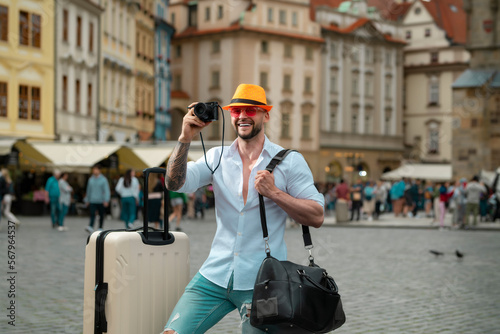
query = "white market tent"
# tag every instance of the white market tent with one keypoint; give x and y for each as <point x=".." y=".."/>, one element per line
<point x="80" y="157"/>
<point x="153" y="156"/>
<point x="432" y="172"/>
<point x="488" y="177"/>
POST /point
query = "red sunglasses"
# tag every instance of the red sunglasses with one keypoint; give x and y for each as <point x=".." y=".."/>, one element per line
<point x="249" y="111"/>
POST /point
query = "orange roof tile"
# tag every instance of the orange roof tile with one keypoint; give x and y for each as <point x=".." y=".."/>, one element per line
<point x="450" y="16"/>
<point x="193" y="31"/>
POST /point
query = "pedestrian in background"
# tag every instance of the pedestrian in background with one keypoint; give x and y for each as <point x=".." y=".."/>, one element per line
<point x="64" y="199"/>
<point x="128" y="189"/>
<point x="97" y="197"/>
<point x="460" y="203"/>
<point x="342" y="204"/>
<point x="428" y="198"/>
<point x="200" y="202"/>
<point x="444" y="196"/>
<point x="357" y="199"/>
<point x="408" y="199"/>
<point x="380" y="198"/>
<point x="483" y="205"/>
<point x="473" y="192"/>
<point x="52" y="197"/>
<point x="177" y="201"/>
<point x="369" y="199"/>
<point x="397" y="196"/>
<point x="8" y="189"/>
<point x="416" y="195"/>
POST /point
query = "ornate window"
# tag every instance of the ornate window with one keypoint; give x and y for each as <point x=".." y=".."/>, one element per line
<point x="433" y="137"/>
<point x="433" y="91"/>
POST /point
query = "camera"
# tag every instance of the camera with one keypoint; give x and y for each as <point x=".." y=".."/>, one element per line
<point x="207" y="112"/>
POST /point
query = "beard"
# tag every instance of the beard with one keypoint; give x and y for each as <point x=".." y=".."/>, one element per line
<point x="256" y="129"/>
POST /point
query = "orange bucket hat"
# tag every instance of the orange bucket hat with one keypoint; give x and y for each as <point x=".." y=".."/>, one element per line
<point x="249" y="95"/>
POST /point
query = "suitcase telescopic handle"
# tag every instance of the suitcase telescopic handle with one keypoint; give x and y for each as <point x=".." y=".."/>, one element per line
<point x="146" y="172"/>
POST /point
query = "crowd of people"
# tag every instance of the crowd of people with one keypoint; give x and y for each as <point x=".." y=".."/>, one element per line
<point x="99" y="192"/>
<point x="469" y="201"/>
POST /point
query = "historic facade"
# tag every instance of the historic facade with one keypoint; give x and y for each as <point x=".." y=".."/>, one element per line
<point x="117" y="105"/>
<point x="144" y="70"/>
<point x="77" y="70"/>
<point x="27" y="69"/>
<point x="476" y="93"/>
<point x="433" y="58"/>
<point x="163" y="36"/>
<point x="219" y="45"/>
<point x="361" y="109"/>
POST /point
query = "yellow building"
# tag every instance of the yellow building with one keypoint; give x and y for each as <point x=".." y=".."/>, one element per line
<point x="27" y="69"/>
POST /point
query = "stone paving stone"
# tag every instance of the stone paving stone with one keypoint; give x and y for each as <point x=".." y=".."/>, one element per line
<point x="388" y="280"/>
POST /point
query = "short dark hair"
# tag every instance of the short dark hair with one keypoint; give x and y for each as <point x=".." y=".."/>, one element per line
<point x="475" y="178"/>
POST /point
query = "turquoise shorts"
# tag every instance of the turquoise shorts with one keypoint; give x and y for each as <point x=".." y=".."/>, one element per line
<point x="204" y="304"/>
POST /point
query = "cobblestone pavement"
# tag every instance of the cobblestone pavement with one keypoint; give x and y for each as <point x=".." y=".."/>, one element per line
<point x="388" y="279"/>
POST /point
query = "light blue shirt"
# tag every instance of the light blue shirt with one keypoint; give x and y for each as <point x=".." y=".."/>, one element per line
<point x="238" y="245"/>
<point x="97" y="190"/>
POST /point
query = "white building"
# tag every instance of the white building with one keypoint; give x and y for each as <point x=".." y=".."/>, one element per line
<point x="361" y="108"/>
<point x="117" y="103"/>
<point x="433" y="59"/>
<point x="77" y="69"/>
<point x="219" y="45"/>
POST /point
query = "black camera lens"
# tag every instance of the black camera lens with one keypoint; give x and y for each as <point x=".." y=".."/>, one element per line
<point x="207" y="112"/>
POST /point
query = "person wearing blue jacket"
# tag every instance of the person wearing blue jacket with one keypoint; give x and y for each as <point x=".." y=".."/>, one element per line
<point x="97" y="197"/>
<point x="397" y="192"/>
<point x="53" y="193"/>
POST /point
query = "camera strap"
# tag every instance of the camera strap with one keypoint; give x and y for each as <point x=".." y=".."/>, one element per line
<point x="222" y="143"/>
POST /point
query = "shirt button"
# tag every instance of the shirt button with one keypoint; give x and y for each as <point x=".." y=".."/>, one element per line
<point x="242" y="214"/>
<point x="239" y="233"/>
<point x="235" y="254"/>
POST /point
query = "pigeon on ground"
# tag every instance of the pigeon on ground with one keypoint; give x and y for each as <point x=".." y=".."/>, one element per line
<point x="459" y="254"/>
<point x="437" y="253"/>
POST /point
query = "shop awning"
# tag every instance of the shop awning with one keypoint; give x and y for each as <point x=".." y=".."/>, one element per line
<point x="432" y="172"/>
<point x="6" y="145"/>
<point x="30" y="158"/>
<point x="80" y="157"/>
<point x="488" y="177"/>
<point x="153" y="156"/>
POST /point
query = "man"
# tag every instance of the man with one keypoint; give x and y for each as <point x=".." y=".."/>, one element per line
<point x="357" y="199"/>
<point x="97" y="197"/>
<point x="342" y="205"/>
<point x="473" y="192"/>
<point x="52" y="197"/>
<point x="226" y="279"/>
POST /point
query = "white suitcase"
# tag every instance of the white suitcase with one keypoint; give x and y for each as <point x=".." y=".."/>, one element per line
<point x="133" y="279"/>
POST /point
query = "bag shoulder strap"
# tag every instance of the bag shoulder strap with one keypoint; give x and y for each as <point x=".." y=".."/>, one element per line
<point x="280" y="156"/>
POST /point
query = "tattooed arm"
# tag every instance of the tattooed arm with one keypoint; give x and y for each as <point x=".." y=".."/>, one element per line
<point x="177" y="164"/>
